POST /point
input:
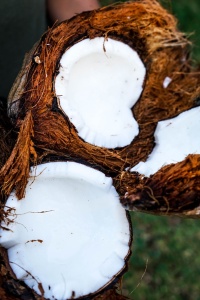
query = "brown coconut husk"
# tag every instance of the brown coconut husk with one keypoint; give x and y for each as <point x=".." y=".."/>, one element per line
<point x="173" y="190"/>
<point x="151" y="31"/>
<point x="110" y="295"/>
<point x="21" y="156"/>
<point x="10" y="287"/>
<point x="7" y="134"/>
<point x="7" y="141"/>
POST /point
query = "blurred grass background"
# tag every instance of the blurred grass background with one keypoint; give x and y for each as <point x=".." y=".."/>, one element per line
<point x="165" y="264"/>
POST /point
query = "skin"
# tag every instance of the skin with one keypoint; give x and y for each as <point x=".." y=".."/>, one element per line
<point x="61" y="10"/>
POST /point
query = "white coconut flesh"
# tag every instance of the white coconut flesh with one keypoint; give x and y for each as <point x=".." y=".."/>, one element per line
<point x="69" y="234"/>
<point x="99" y="81"/>
<point x="175" y="139"/>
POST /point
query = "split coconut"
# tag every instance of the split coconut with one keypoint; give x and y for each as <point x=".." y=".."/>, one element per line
<point x="110" y="77"/>
<point x="69" y="237"/>
<point x="101" y="90"/>
<point x="105" y="117"/>
<point x="168" y="182"/>
<point x="174" y="140"/>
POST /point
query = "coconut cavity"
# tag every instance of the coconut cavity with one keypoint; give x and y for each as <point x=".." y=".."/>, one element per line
<point x="174" y="140"/>
<point x="99" y="81"/>
<point x="69" y="237"/>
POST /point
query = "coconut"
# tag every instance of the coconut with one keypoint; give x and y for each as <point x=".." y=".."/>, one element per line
<point x="111" y="139"/>
<point x="60" y="241"/>
<point x="168" y="181"/>
<point x="92" y="63"/>
<point x="99" y="89"/>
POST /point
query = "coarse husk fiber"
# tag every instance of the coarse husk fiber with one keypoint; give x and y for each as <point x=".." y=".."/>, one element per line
<point x="7" y="135"/>
<point x="173" y="190"/>
<point x="147" y="28"/>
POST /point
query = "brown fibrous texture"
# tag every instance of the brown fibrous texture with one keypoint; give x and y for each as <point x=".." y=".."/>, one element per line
<point x="173" y="190"/>
<point x="17" y="167"/>
<point x="110" y="295"/>
<point x="147" y="28"/>
<point x="7" y="135"/>
<point x="7" y="141"/>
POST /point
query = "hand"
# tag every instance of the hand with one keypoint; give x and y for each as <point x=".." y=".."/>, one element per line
<point x="61" y="10"/>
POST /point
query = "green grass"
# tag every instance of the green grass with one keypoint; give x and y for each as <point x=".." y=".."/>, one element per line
<point x="187" y="12"/>
<point x="165" y="263"/>
<point x="170" y="247"/>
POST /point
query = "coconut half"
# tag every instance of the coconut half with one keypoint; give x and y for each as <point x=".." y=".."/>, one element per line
<point x="174" y="140"/>
<point x="99" y="81"/>
<point x="69" y="237"/>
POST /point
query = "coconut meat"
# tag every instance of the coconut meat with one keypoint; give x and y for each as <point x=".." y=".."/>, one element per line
<point x="99" y="81"/>
<point x="174" y="140"/>
<point x="69" y="235"/>
<point x="166" y="82"/>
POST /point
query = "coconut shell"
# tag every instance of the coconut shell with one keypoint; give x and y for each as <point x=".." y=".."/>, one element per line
<point x="22" y="154"/>
<point x="147" y="28"/>
<point x="173" y="190"/>
<point x="110" y="295"/>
